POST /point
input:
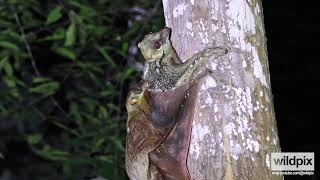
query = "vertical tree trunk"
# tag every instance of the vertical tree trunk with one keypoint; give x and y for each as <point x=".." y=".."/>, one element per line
<point x="234" y="128"/>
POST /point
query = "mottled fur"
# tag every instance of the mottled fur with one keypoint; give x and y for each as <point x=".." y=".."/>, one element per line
<point x="163" y="68"/>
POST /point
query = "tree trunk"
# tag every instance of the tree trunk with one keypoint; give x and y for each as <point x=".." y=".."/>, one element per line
<point x="234" y="128"/>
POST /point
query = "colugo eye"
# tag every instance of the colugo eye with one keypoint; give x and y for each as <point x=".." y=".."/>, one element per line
<point x="157" y="44"/>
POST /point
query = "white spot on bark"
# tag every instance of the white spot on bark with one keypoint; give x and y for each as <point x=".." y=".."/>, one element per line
<point x="257" y="68"/>
<point x="268" y="160"/>
<point x="203" y="33"/>
<point x="244" y="102"/>
<point x="192" y="2"/>
<point x="261" y="93"/>
<point x="209" y="100"/>
<point x="253" y="145"/>
<point x="229" y="128"/>
<point x="213" y="66"/>
<point x="236" y="150"/>
<point x="210" y="82"/>
<point x="212" y="151"/>
<point x="215" y="108"/>
<point x="274" y="141"/>
<point x="220" y="134"/>
<point x="257" y="9"/>
<point x="267" y="138"/>
<point x="227" y="110"/>
<point x="195" y="150"/>
<point x="179" y="10"/>
<point x="267" y="98"/>
<point x="198" y="133"/>
<point x="189" y="25"/>
<point x="214" y="27"/>
<point x="241" y="21"/>
<point x="244" y="64"/>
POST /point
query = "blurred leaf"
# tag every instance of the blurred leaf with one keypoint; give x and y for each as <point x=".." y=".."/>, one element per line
<point x="118" y="144"/>
<point x="59" y="34"/>
<point x="1" y="156"/>
<point x="113" y="107"/>
<point x="41" y="79"/>
<point x="45" y="88"/>
<point x="64" y="127"/>
<point x="9" y="45"/>
<point x="125" y="47"/>
<point x="54" y="15"/>
<point x="70" y="35"/>
<point x="10" y="81"/>
<point x="65" y="52"/>
<point x="6" y="66"/>
<point x="103" y="113"/>
<point x="99" y="142"/>
<point x="105" y="158"/>
<point x="34" y="138"/>
<point x="85" y="10"/>
<point x="126" y="74"/>
<point x="74" y="110"/>
<point x="106" y="56"/>
<point x="53" y="153"/>
<point x="80" y="49"/>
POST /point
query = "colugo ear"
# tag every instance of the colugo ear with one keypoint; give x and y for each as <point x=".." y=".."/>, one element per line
<point x="166" y="33"/>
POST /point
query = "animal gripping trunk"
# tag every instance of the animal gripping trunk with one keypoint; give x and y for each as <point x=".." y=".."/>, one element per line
<point x="234" y="129"/>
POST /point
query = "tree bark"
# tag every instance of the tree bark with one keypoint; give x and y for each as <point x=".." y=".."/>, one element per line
<point x="234" y="128"/>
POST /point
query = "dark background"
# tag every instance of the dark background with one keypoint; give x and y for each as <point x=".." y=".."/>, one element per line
<point x="292" y="29"/>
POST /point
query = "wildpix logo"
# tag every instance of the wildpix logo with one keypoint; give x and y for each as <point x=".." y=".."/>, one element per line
<point x="292" y="161"/>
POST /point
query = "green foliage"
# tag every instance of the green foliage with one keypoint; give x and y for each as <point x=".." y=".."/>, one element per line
<point x="63" y="81"/>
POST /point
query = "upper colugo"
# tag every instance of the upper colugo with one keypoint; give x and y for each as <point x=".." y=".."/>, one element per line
<point x="163" y="68"/>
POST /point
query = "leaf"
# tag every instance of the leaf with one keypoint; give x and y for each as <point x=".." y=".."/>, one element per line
<point x="70" y="35"/>
<point x="8" y="69"/>
<point x="99" y="142"/>
<point x="105" y="158"/>
<point x="65" y="52"/>
<point x="41" y="79"/>
<point x="6" y="66"/>
<point x="118" y="143"/>
<point x="126" y="74"/>
<point x="34" y="138"/>
<point x="74" y="110"/>
<point x="106" y="56"/>
<point x="53" y="154"/>
<point x="9" y="45"/>
<point x="54" y="15"/>
<point x="59" y="34"/>
<point x="46" y="88"/>
<point x="125" y="47"/>
<point x="10" y="81"/>
<point x="85" y="11"/>
<point x="103" y="113"/>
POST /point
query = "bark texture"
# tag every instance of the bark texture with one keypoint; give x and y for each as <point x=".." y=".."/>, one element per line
<point x="234" y="128"/>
